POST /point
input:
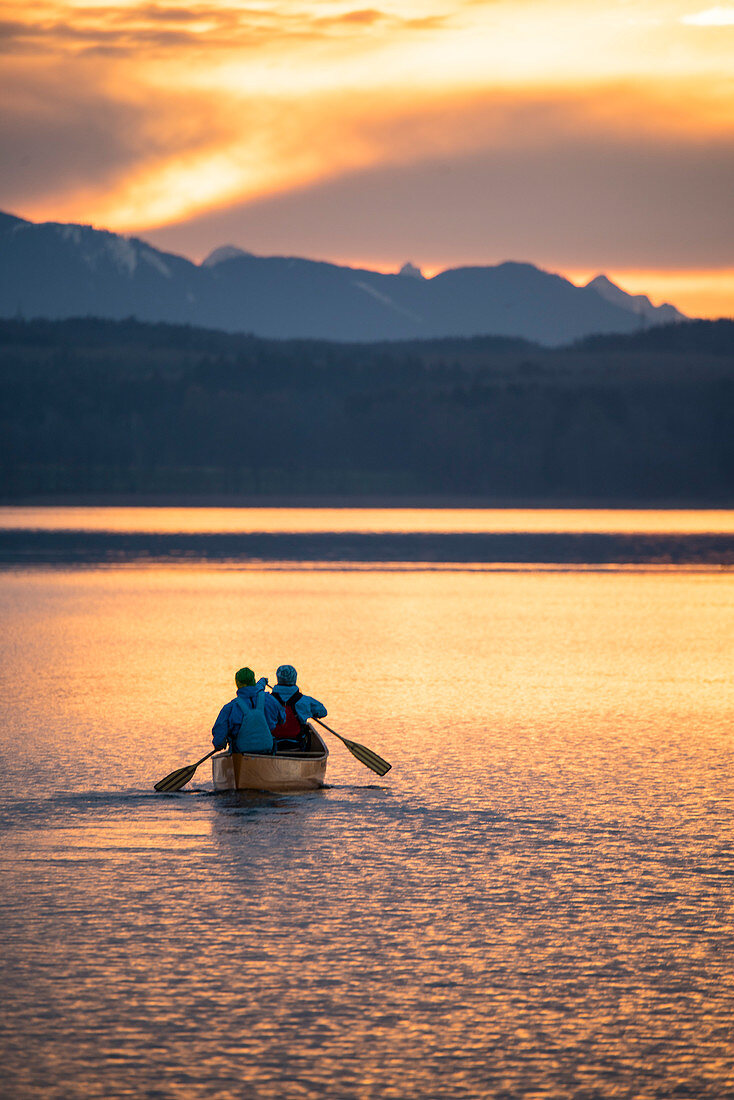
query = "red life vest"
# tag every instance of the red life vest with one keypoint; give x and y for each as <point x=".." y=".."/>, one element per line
<point x="291" y="728"/>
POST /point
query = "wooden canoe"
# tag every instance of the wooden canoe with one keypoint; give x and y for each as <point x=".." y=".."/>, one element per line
<point x="291" y="771"/>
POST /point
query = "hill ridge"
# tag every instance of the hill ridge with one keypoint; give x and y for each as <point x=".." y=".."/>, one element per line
<point x="57" y="270"/>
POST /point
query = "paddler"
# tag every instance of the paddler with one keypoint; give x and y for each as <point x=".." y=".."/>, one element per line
<point x="247" y="720"/>
<point x="291" y="735"/>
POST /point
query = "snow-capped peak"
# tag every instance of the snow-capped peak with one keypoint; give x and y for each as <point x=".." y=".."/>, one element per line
<point x="224" y="252"/>
<point x="635" y="303"/>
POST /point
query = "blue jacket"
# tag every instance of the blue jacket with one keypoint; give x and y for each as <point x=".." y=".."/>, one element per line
<point x="305" y="708"/>
<point x="227" y="725"/>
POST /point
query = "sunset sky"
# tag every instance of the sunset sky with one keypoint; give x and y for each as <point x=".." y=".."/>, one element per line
<point x="580" y="135"/>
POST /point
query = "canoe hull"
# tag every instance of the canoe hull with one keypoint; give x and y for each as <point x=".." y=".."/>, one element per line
<point x="280" y="772"/>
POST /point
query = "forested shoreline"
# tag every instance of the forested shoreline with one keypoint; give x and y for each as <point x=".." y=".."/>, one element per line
<point x="130" y="409"/>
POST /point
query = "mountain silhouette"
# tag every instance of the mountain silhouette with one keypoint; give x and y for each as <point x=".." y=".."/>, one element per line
<point x="56" y="271"/>
<point x="639" y="303"/>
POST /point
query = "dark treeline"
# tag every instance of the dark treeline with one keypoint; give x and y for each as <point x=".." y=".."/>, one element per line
<point x="103" y="407"/>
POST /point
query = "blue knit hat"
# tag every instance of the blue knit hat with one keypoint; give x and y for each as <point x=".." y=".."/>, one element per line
<point x="287" y="675"/>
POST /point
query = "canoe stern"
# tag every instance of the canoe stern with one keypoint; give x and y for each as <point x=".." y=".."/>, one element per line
<point x="279" y="772"/>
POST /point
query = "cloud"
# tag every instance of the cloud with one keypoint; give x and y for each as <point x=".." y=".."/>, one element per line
<point x="64" y="139"/>
<point x="55" y="139"/>
<point x="156" y="14"/>
<point x="712" y="17"/>
<point x="334" y="129"/>
<point x="573" y="201"/>
<point x="270" y="168"/>
<point x="364" y="17"/>
<point x="128" y="30"/>
<point x="224" y="27"/>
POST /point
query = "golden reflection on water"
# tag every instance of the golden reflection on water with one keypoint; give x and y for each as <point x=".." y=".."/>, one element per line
<point x="534" y="902"/>
<point x="489" y="653"/>
<point x="376" y="520"/>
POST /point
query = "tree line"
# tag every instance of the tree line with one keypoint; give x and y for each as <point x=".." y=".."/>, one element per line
<point x="104" y="407"/>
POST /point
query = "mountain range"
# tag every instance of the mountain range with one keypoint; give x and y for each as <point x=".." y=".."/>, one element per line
<point x="56" y="271"/>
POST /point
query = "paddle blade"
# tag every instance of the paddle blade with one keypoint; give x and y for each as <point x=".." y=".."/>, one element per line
<point x="367" y="757"/>
<point x="176" y="780"/>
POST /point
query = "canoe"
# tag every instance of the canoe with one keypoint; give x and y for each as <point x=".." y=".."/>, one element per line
<point x="283" y="771"/>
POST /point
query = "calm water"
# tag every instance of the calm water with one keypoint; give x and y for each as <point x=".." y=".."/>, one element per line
<point x="373" y="520"/>
<point x="535" y="902"/>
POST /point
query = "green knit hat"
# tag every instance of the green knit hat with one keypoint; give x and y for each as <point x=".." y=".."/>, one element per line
<point x="244" y="677"/>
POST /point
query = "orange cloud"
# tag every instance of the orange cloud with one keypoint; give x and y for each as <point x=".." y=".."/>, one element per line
<point x="135" y="115"/>
<point x="126" y="29"/>
<point x="256" y="146"/>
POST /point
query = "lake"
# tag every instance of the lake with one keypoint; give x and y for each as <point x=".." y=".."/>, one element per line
<point x="536" y="901"/>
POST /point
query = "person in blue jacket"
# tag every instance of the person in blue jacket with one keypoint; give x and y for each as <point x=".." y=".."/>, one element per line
<point x="247" y="720"/>
<point x="292" y="734"/>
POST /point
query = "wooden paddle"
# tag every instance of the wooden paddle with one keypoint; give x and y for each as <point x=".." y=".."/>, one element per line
<point x="365" y="756"/>
<point x="178" y="779"/>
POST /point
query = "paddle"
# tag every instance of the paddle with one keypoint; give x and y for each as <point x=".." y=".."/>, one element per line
<point x="178" y="779"/>
<point x="365" y="756"/>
